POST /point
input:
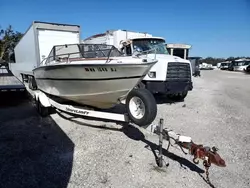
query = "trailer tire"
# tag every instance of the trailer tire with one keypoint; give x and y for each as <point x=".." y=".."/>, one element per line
<point x="141" y="107"/>
<point x="43" y="111"/>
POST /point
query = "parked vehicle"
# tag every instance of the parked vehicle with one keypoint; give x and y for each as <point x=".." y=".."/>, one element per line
<point x="179" y="50"/>
<point x="195" y="65"/>
<point x="35" y="45"/>
<point x="182" y="51"/>
<point x="171" y="75"/>
<point x="205" y="66"/>
<point x="247" y="69"/>
<point x="218" y="65"/>
<point x="239" y="65"/>
<point x="224" y="65"/>
<point x="8" y="82"/>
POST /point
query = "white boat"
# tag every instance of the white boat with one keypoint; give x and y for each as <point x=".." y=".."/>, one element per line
<point x="96" y="75"/>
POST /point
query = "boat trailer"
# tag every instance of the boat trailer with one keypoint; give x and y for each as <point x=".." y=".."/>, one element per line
<point x="199" y="152"/>
<point x="44" y="103"/>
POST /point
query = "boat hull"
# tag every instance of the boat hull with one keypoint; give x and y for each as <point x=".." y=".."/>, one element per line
<point x="97" y="85"/>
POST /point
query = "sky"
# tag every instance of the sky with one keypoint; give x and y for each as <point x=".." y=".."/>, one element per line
<point x="217" y="28"/>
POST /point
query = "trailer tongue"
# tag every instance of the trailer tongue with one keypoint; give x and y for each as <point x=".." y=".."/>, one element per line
<point x="199" y="152"/>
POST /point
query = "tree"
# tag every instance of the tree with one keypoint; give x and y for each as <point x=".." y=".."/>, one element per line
<point x="211" y="60"/>
<point x="8" y="40"/>
<point x="230" y="58"/>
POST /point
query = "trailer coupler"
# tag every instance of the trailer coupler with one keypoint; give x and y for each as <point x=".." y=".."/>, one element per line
<point x="199" y="152"/>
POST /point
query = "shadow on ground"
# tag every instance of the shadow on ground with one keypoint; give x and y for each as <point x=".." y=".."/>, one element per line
<point x="163" y="99"/>
<point x="135" y="134"/>
<point x="34" y="152"/>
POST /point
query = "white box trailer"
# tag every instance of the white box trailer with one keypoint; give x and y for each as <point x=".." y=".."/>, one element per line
<point x="37" y="42"/>
<point x="115" y="37"/>
<point x="171" y="75"/>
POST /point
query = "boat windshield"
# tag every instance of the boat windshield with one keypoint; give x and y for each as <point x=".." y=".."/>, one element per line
<point x="99" y="50"/>
<point x="149" y="44"/>
<point x="69" y="51"/>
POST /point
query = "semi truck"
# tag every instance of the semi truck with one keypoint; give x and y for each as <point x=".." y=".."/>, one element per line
<point x="35" y="46"/>
<point x="170" y="76"/>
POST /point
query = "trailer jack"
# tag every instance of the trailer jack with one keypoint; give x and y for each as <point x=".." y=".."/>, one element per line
<point x="199" y="152"/>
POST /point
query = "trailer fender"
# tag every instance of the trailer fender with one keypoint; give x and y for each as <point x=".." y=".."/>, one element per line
<point x="43" y="99"/>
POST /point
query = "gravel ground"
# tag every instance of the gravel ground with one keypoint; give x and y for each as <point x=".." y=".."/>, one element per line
<point x="63" y="151"/>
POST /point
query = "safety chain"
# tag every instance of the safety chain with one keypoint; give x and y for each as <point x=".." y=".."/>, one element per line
<point x="207" y="174"/>
<point x="199" y="152"/>
<point x="207" y="165"/>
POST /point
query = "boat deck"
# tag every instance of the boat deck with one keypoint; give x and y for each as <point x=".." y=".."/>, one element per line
<point x="8" y="82"/>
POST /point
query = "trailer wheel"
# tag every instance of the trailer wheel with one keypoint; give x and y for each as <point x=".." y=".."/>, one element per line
<point x="141" y="107"/>
<point x="43" y="111"/>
